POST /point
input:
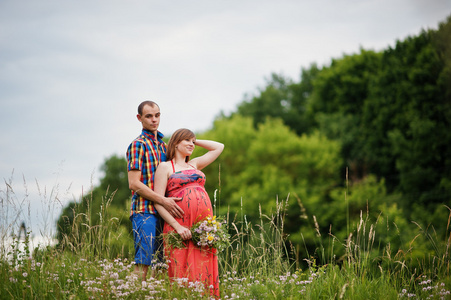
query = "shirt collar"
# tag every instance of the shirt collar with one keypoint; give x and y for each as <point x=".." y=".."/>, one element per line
<point x="150" y="135"/>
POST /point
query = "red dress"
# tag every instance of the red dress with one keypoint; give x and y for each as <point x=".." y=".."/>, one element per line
<point x="194" y="263"/>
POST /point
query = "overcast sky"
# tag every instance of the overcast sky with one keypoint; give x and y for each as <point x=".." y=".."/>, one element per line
<point x="73" y="72"/>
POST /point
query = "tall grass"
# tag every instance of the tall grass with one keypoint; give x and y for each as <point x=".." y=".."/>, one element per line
<point x="258" y="246"/>
<point x="261" y="263"/>
<point x="87" y="239"/>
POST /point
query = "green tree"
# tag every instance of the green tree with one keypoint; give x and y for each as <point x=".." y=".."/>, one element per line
<point x="283" y="99"/>
<point x="115" y="179"/>
<point x="339" y="94"/>
<point x="261" y="165"/>
<point x="236" y="133"/>
<point x="272" y="101"/>
<point x="298" y="119"/>
<point x="105" y="205"/>
<point x="406" y="120"/>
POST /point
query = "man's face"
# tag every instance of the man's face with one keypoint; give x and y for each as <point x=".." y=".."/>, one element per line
<point x="150" y="118"/>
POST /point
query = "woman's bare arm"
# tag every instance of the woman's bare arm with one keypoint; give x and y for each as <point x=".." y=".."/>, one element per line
<point x="214" y="150"/>
<point x="160" y="183"/>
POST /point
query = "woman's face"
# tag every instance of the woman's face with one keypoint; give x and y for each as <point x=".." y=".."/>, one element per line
<point x="186" y="146"/>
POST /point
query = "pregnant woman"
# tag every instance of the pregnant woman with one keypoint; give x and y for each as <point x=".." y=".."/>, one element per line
<point x="181" y="177"/>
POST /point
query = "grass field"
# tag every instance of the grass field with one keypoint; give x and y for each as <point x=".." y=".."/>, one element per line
<point x="259" y="264"/>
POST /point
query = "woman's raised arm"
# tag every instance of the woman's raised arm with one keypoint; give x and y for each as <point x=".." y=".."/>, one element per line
<point x="214" y="150"/>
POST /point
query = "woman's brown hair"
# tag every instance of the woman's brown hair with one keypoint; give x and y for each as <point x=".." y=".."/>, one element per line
<point x="178" y="136"/>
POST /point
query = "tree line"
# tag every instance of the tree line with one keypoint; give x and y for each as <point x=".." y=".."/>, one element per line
<point x="369" y="133"/>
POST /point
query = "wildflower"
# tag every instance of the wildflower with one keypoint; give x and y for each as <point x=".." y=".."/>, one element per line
<point x="207" y="232"/>
<point x="210" y="238"/>
<point x="25" y="274"/>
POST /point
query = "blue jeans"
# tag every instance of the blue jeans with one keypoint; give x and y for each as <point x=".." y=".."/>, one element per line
<point x="146" y="231"/>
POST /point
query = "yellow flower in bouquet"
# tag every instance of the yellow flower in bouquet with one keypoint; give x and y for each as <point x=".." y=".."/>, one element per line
<point x="210" y="232"/>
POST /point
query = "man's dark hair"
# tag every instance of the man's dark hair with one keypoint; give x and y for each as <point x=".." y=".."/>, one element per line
<point x="144" y="103"/>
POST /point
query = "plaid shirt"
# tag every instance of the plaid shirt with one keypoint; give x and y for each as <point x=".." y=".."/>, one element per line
<point x="144" y="154"/>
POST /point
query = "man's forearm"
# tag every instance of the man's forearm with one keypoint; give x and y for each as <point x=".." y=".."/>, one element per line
<point x="146" y="192"/>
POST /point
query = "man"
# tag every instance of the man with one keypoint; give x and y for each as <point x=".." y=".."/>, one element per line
<point x="143" y="156"/>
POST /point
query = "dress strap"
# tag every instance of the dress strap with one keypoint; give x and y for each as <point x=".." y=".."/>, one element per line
<point x="173" y="168"/>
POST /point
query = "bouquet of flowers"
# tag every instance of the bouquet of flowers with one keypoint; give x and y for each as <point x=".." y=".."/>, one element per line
<point x="210" y="232"/>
